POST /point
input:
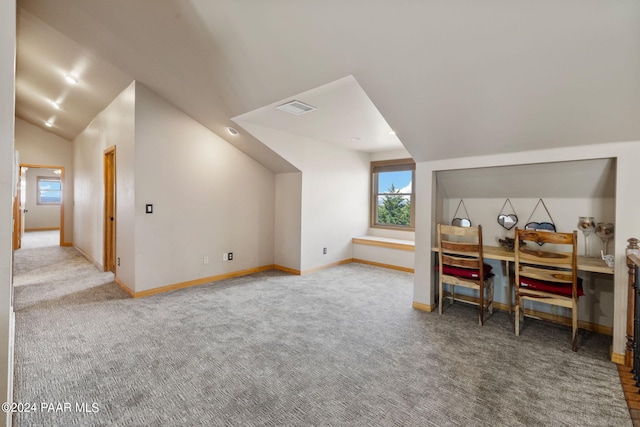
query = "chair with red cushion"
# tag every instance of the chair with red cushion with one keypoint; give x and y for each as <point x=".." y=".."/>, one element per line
<point x="461" y="264"/>
<point x="547" y="276"/>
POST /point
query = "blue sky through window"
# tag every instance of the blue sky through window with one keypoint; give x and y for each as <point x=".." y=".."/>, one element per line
<point x="49" y="191"/>
<point x="50" y="185"/>
<point x="400" y="180"/>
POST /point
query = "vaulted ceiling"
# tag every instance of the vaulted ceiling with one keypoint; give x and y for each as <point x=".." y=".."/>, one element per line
<point x="451" y="78"/>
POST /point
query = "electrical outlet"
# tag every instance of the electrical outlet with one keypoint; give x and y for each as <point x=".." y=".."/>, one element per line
<point x="118" y="261"/>
<point x="230" y="256"/>
<point x="224" y="256"/>
<point x="205" y="259"/>
<point x="324" y="251"/>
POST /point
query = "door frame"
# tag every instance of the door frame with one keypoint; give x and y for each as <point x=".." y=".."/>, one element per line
<point x="17" y="211"/>
<point x="110" y="219"/>
<point x="63" y="191"/>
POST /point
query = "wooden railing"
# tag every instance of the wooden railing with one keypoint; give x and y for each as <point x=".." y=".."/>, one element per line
<point x="632" y="355"/>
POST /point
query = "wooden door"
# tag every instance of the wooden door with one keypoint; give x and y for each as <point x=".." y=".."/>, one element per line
<point x="18" y="212"/>
<point x="110" y="209"/>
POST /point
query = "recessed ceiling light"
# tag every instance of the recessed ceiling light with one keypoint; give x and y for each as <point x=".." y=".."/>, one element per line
<point x="233" y="131"/>
<point x="48" y="124"/>
<point x="392" y="132"/>
<point x="296" y="107"/>
<point x="56" y="105"/>
<point x="71" y="79"/>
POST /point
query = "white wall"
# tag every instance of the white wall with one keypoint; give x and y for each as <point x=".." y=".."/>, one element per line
<point x="335" y="203"/>
<point x="400" y="153"/>
<point x="288" y="220"/>
<point x="113" y="126"/>
<point x="208" y="198"/>
<point x="7" y="78"/>
<point x="39" y="147"/>
<point x="381" y="255"/>
<point x="119" y="122"/>
<point x="627" y="204"/>
<point x="335" y="196"/>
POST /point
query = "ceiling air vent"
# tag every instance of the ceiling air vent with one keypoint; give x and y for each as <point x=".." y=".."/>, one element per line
<point x="296" y="107"/>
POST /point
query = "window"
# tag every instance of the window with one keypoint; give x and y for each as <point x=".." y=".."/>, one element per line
<point x="49" y="191"/>
<point x="392" y="194"/>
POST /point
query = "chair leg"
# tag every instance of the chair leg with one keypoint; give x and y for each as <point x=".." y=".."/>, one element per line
<point x="481" y="305"/>
<point x="574" y="341"/>
<point x="441" y="293"/>
<point x="517" y="308"/>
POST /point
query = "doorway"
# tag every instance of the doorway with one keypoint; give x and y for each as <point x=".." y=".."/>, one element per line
<point x="110" y="209"/>
<point x="39" y="202"/>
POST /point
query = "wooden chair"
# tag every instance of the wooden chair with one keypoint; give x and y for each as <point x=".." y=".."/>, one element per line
<point x="461" y="264"/>
<point x="547" y="276"/>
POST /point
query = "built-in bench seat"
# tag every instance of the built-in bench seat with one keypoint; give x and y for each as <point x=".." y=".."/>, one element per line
<point x="385" y="252"/>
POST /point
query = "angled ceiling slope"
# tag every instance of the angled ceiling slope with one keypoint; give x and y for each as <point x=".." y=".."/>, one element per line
<point x="44" y="57"/>
<point x="453" y="79"/>
<point x="108" y="49"/>
<point x="344" y="116"/>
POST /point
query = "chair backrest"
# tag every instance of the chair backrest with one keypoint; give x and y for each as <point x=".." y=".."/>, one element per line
<point x="558" y="265"/>
<point x="461" y="248"/>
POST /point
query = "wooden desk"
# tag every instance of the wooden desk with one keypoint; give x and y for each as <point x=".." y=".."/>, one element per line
<point x="593" y="265"/>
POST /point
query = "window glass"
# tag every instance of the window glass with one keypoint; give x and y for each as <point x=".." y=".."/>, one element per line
<point x="49" y="191"/>
<point x="392" y="196"/>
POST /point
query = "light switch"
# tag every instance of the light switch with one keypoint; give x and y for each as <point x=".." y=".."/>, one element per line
<point x="149" y="208"/>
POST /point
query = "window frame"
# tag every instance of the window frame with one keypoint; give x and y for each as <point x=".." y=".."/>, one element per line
<point x="39" y="191"/>
<point x="395" y="165"/>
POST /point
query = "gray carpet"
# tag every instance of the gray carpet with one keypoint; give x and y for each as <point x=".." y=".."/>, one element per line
<point x="338" y="347"/>
<point x="40" y="239"/>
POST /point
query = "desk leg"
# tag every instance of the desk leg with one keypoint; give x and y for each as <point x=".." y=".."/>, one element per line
<point x="509" y="287"/>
